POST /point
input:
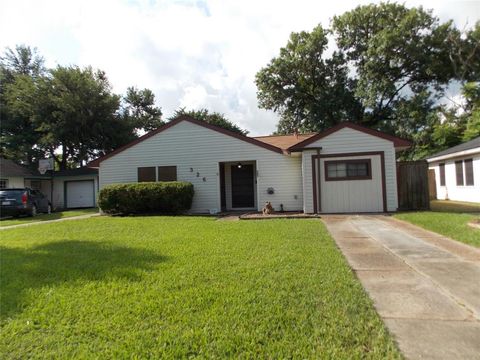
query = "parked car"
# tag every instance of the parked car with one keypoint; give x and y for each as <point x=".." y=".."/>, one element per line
<point x="23" y="201"/>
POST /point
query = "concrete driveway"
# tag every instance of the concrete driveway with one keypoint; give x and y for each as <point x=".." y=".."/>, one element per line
<point x="425" y="287"/>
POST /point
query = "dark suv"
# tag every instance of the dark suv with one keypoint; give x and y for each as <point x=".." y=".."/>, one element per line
<point x="23" y="201"/>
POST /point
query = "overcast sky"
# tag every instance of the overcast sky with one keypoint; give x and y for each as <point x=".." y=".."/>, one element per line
<point x="190" y="53"/>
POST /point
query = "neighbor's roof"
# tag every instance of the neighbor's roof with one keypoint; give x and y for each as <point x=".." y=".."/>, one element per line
<point x="469" y="145"/>
<point x="284" y="141"/>
<point x="10" y="168"/>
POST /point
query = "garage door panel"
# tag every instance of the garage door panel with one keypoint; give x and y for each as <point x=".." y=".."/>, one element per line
<point x="80" y="194"/>
<point x="352" y="195"/>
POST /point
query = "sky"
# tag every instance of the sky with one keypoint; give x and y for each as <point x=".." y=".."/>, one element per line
<point x="190" y="53"/>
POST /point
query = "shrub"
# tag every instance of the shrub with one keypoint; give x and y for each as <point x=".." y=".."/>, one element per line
<point x="171" y="197"/>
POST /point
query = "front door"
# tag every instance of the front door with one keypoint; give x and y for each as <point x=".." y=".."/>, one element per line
<point x="243" y="186"/>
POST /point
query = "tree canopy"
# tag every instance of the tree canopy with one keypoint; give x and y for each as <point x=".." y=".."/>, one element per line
<point x="67" y="113"/>
<point x="391" y="66"/>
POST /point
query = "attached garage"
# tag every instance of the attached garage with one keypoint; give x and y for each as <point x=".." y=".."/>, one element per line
<point x="353" y="183"/>
<point x="350" y="169"/>
<point x="79" y="194"/>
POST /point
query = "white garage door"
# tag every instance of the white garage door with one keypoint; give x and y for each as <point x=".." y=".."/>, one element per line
<point x="80" y="194"/>
<point x="351" y="184"/>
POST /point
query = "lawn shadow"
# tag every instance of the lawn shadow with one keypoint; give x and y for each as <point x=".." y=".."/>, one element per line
<point x="67" y="261"/>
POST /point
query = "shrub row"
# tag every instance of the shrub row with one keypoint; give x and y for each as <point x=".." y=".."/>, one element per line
<point x="172" y="197"/>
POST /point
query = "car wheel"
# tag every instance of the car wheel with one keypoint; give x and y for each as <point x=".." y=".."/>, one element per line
<point x="49" y="209"/>
<point x="33" y="211"/>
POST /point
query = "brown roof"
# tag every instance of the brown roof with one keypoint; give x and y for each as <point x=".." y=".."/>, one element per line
<point x="10" y="168"/>
<point x="282" y="144"/>
<point x="284" y="141"/>
<point x="96" y="162"/>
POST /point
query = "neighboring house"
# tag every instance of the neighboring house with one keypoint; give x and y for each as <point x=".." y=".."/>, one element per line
<point x="457" y="172"/>
<point x="348" y="168"/>
<point x="74" y="188"/>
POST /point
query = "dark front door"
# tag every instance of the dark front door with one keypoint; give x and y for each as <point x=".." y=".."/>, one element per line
<point x="243" y="186"/>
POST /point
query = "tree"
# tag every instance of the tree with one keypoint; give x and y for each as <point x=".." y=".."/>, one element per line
<point x="139" y="109"/>
<point x="397" y="53"/>
<point x="213" y="118"/>
<point x="77" y="113"/>
<point x="20" y="71"/>
<point x="309" y="92"/>
<point x="391" y="66"/>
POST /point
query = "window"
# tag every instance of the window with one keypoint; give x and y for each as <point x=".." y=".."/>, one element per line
<point x="360" y="169"/>
<point x="146" y="174"/>
<point x="442" y="174"/>
<point x="167" y="173"/>
<point x="459" y="172"/>
<point x="3" y="183"/>
<point x="469" y="181"/>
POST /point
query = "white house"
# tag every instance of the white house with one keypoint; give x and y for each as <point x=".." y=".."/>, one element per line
<point x="348" y="168"/>
<point x="457" y="172"/>
<point x="66" y="189"/>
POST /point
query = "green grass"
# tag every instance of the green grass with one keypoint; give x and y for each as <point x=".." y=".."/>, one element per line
<point x="454" y="206"/>
<point x="178" y="287"/>
<point x="449" y="218"/>
<point x="44" y="217"/>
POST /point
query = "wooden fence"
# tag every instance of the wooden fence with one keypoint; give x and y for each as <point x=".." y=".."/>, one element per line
<point x="412" y="179"/>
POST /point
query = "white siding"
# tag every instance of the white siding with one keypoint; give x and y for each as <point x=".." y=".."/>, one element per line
<point x="451" y="191"/>
<point x="187" y="145"/>
<point x="353" y="195"/>
<point x="59" y="188"/>
<point x="14" y="182"/>
<point x="348" y="140"/>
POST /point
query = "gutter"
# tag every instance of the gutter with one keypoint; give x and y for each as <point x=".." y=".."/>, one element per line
<point x="454" y="155"/>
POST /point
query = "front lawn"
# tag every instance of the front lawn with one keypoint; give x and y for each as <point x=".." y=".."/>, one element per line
<point x="449" y="218"/>
<point x="177" y="287"/>
<point x="44" y="217"/>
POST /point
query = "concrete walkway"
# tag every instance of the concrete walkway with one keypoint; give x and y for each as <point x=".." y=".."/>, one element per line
<point x="424" y="286"/>
<point x="79" y="217"/>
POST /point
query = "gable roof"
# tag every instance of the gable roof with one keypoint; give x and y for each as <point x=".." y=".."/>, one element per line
<point x="469" y="145"/>
<point x="96" y="162"/>
<point x="10" y="168"/>
<point x="397" y="142"/>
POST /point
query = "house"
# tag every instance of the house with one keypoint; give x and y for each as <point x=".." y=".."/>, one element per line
<point x="457" y="172"/>
<point x="75" y="188"/>
<point x="348" y="168"/>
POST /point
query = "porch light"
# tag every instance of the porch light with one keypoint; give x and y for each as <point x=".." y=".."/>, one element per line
<point x="239" y="165"/>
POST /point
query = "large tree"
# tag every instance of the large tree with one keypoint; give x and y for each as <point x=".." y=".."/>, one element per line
<point x="76" y="113"/>
<point x="213" y="118"/>
<point x="67" y="113"/>
<point x="20" y="71"/>
<point x="309" y="91"/>
<point x="391" y="66"/>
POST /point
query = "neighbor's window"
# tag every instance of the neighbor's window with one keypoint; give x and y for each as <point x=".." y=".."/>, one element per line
<point x="146" y="174"/>
<point x="348" y="170"/>
<point x="459" y="172"/>
<point x="3" y="183"/>
<point x="442" y="174"/>
<point x="469" y="181"/>
<point x="167" y="173"/>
